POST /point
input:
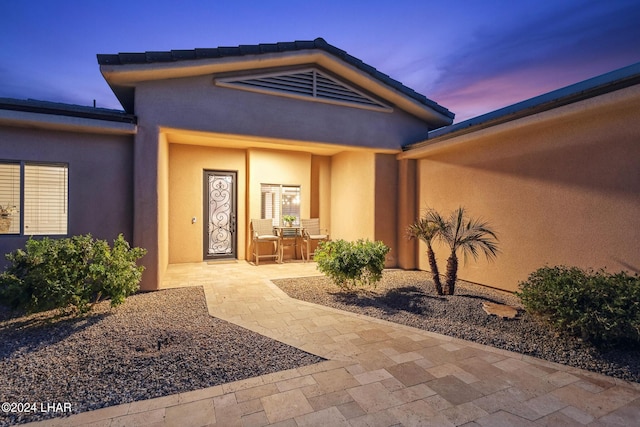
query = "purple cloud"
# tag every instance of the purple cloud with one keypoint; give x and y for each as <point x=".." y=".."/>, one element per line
<point x="517" y="60"/>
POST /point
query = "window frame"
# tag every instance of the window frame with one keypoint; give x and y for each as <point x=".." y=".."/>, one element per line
<point x="280" y="213"/>
<point x="20" y="207"/>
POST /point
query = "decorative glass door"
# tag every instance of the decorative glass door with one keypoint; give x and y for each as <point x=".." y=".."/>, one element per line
<point x="220" y="212"/>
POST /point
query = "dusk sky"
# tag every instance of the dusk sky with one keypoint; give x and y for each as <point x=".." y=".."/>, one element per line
<point x="470" y="56"/>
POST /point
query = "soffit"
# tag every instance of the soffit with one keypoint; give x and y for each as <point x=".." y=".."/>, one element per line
<point x="243" y="142"/>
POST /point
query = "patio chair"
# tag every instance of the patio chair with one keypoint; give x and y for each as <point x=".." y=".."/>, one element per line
<point x="262" y="232"/>
<point x="311" y="232"/>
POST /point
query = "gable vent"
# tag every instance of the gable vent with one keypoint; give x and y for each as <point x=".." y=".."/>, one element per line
<point x="305" y="84"/>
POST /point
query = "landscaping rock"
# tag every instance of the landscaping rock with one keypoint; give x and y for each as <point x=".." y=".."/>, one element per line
<point x="155" y="344"/>
<point x="500" y="310"/>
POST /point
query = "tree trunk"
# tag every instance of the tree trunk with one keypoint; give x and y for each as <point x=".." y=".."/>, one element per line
<point x="452" y="273"/>
<point x="434" y="270"/>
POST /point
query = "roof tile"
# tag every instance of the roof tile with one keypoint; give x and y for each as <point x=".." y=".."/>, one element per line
<point x="203" y="53"/>
<point x="132" y="58"/>
<point x="159" y="57"/>
<point x="183" y="54"/>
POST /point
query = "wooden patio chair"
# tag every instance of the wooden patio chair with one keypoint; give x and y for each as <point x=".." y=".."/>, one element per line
<point x="261" y="232"/>
<point x="311" y="232"/>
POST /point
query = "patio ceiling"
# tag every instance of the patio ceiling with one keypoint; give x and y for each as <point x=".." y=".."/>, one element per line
<point x="222" y="140"/>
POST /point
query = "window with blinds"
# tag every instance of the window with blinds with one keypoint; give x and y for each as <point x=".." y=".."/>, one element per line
<point x="41" y="191"/>
<point x="9" y="198"/>
<point x="279" y="200"/>
<point x="46" y="199"/>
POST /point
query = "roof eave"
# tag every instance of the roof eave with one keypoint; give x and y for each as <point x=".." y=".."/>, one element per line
<point x="122" y="78"/>
<point x="606" y="83"/>
<point x="47" y="121"/>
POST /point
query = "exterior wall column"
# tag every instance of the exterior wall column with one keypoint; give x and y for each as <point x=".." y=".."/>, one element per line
<point x="145" y="204"/>
<point x="407" y="213"/>
<point x="386" y="200"/>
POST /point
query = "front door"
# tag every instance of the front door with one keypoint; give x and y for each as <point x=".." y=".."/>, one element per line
<point x="220" y="237"/>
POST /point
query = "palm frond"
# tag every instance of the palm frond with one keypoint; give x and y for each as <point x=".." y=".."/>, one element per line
<point x="428" y="227"/>
<point x="472" y="236"/>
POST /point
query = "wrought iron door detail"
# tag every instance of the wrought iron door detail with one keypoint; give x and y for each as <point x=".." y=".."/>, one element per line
<point x="221" y="214"/>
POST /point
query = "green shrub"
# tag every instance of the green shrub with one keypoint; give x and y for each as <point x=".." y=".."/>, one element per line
<point x="71" y="272"/>
<point x="349" y="264"/>
<point x="598" y="307"/>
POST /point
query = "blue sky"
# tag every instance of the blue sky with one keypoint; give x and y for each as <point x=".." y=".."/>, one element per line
<point x="470" y="56"/>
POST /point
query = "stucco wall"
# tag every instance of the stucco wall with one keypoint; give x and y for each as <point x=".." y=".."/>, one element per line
<point x="321" y="190"/>
<point x="407" y="213"/>
<point x="277" y="167"/>
<point x="197" y="103"/>
<point x="163" y="204"/>
<point x="150" y="178"/>
<point x="386" y="204"/>
<point x="100" y="178"/>
<point x="353" y="196"/>
<point x="562" y="187"/>
<point x="186" y="194"/>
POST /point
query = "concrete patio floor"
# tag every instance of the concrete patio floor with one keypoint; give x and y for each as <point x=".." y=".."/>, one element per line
<point x="376" y="374"/>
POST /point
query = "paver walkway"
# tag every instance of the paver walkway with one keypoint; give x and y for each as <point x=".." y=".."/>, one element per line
<point x="377" y="373"/>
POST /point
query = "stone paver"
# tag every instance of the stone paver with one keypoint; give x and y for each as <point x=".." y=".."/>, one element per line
<point x="376" y="374"/>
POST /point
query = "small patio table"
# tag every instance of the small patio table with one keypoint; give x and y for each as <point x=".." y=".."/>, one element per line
<point x="289" y="237"/>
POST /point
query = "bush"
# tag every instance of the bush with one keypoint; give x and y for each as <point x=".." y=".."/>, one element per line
<point x="598" y="307"/>
<point x="76" y="272"/>
<point x="350" y="264"/>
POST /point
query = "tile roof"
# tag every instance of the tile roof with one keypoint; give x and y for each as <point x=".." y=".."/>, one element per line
<point x="70" y="110"/>
<point x="219" y="52"/>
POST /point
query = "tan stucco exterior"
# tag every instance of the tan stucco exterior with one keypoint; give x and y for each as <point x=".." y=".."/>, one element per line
<point x="353" y="196"/>
<point x="321" y="190"/>
<point x="407" y="213"/>
<point x="386" y="204"/>
<point x="186" y="197"/>
<point x="278" y="167"/>
<point x="192" y="124"/>
<point x="560" y="187"/>
<point x="557" y="178"/>
<point x="100" y="173"/>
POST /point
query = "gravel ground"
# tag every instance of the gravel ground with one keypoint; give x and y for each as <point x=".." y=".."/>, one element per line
<point x="155" y="344"/>
<point x="409" y="298"/>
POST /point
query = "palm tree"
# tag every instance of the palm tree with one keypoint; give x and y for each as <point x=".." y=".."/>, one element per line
<point x="426" y="229"/>
<point x="466" y="234"/>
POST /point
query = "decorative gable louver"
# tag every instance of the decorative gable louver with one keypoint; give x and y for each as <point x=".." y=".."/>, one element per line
<point x="305" y="84"/>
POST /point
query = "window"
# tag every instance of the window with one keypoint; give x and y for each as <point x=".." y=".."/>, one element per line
<point x="279" y="200"/>
<point x="34" y="198"/>
<point x="9" y="198"/>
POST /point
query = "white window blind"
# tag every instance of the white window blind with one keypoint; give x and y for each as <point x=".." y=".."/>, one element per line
<point x="279" y="200"/>
<point x="10" y="198"/>
<point x="45" y="199"/>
